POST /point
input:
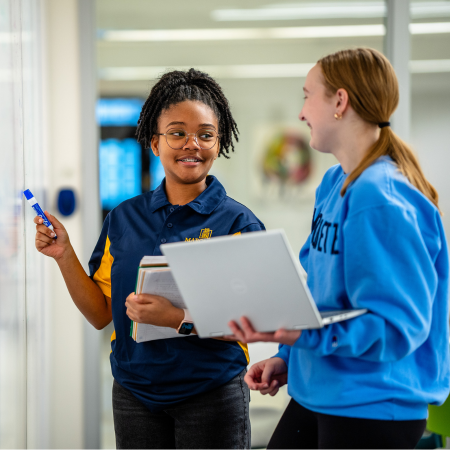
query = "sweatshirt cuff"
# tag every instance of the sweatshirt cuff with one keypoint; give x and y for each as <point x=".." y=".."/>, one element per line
<point x="283" y="353"/>
<point x="307" y="340"/>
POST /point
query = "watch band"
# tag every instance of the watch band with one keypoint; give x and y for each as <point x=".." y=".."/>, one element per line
<point x="187" y="316"/>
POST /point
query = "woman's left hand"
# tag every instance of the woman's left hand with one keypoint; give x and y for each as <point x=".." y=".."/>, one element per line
<point x="246" y="333"/>
<point x="154" y="310"/>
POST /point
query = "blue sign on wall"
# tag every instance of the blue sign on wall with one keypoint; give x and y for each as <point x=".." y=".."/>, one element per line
<point x="120" y="171"/>
<point x="120" y="159"/>
<point x="113" y="112"/>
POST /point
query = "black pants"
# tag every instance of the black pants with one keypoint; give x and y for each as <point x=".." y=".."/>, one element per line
<point x="301" y="428"/>
<point x="214" y="419"/>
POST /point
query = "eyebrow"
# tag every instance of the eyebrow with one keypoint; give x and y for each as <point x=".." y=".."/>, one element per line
<point x="305" y="90"/>
<point x="202" y="125"/>
<point x="175" y="123"/>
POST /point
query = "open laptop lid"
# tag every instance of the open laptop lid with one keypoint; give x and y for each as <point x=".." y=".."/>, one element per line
<point x="254" y="275"/>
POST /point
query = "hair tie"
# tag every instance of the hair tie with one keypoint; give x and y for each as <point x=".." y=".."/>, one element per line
<point x="384" y="124"/>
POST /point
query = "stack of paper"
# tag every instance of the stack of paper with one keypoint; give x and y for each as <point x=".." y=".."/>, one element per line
<point x="154" y="277"/>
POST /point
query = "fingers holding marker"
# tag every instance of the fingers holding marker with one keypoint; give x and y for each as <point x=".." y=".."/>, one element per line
<point x="42" y="229"/>
<point x="37" y="209"/>
<point x="54" y="221"/>
<point x="44" y="237"/>
<point x="40" y="245"/>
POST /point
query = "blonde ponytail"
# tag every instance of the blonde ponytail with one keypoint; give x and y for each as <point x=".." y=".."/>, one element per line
<point x="372" y="87"/>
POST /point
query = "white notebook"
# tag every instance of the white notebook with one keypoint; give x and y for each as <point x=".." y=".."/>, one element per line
<point x="156" y="280"/>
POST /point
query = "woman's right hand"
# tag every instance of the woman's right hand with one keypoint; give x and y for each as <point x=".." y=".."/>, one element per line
<point x="45" y="241"/>
<point x="267" y="376"/>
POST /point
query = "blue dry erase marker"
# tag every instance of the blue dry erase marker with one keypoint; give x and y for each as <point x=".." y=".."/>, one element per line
<point x="38" y="210"/>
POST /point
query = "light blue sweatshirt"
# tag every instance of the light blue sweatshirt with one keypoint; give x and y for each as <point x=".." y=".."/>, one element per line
<point x="382" y="247"/>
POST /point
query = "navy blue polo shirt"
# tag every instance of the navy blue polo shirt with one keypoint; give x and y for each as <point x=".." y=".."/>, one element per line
<point x="164" y="372"/>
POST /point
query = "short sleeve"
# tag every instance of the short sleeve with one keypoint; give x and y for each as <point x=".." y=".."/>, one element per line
<point x="101" y="261"/>
<point x="252" y="227"/>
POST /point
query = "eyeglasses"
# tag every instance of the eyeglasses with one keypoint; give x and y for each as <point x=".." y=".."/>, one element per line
<point x="177" y="139"/>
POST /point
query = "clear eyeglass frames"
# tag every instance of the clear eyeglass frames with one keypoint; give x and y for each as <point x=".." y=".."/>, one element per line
<point x="177" y="139"/>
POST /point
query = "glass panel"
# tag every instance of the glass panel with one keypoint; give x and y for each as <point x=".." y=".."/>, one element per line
<point x="12" y="245"/>
<point x="23" y="330"/>
<point x="35" y="178"/>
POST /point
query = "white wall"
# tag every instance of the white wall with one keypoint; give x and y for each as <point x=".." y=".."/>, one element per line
<point x="63" y="109"/>
<point x="430" y="137"/>
<point x="65" y="143"/>
<point x="72" y="162"/>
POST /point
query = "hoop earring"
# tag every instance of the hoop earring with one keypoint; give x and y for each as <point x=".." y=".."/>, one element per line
<point x="337" y="116"/>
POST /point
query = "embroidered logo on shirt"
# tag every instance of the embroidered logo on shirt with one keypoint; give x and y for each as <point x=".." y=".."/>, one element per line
<point x="205" y="233"/>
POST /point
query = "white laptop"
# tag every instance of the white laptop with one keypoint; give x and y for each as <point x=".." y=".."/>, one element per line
<point x="254" y="275"/>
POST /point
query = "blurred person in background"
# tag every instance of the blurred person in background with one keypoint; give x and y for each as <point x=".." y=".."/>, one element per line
<point x="167" y="393"/>
<point x="376" y="242"/>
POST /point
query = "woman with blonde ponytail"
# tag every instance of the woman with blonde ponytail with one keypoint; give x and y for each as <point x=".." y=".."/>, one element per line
<point x="376" y="242"/>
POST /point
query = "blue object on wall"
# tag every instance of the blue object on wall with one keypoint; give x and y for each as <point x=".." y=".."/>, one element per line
<point x="120" y="171"/>
<point x="118" y="112"/>
<point x="66" y="202"/>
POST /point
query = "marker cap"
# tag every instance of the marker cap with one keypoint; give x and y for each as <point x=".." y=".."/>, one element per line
<point x="28" y="194"/>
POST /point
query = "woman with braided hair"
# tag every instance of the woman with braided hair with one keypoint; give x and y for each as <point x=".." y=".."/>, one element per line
<point x="167" y="393"/>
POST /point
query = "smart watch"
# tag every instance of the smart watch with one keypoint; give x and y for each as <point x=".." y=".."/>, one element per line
<point x="187" y="325"/>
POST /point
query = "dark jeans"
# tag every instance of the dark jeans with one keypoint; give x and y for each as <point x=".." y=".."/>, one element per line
<point x="214" y="419"/>
<point x="301" y="428"/>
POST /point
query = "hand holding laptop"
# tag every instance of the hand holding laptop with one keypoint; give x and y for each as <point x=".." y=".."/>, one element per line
<point x="246" y="333"/>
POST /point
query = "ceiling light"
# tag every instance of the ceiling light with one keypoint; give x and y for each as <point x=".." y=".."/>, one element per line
<point x="430" y="66"/>
<point x="429" y="28"/>
<point x="229" y="34"/>
<point x="226" y="71"/>
<point x="248" y="70"/>
<point x="327" y="10"/>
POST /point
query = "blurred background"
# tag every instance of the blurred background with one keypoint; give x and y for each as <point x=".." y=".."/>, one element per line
<point x="73" y="77"/>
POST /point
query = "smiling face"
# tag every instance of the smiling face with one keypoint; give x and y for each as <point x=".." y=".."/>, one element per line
<point x="318" y="111"/>
<point x="191" y="163"/>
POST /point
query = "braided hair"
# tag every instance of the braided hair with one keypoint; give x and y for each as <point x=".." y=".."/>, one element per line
<point x="178" y="86"/>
